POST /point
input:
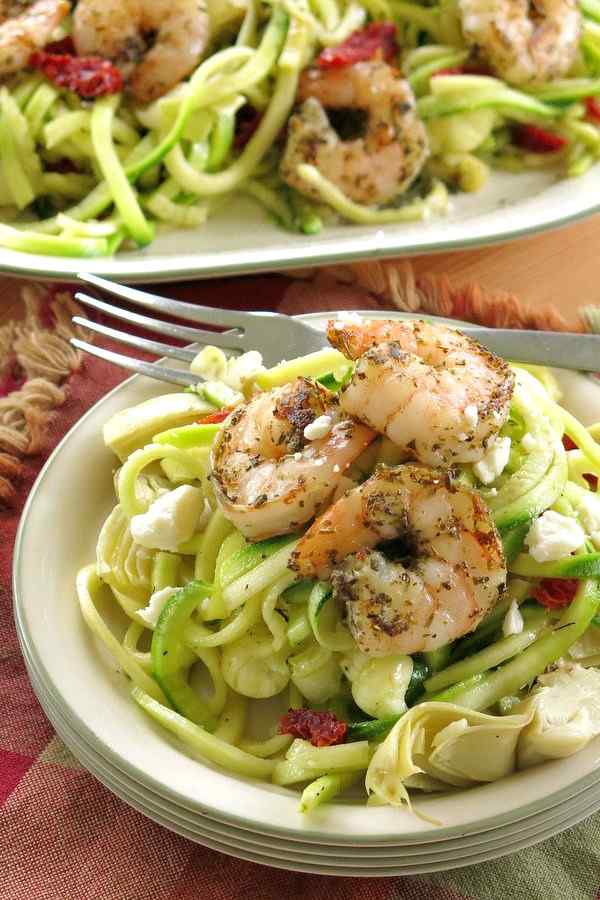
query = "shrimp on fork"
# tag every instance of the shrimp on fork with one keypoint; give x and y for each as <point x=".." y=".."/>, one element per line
<point x="525" y="41"/>
<point x="371" y="169"/>
<point x="435" y="393"/>
<point x="271" y="474"/>
<point x="413" y="557"/>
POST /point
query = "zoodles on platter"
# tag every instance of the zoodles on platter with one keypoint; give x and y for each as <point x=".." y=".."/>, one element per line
<point x="375" y="564"/>
<point x="118" y="118"/>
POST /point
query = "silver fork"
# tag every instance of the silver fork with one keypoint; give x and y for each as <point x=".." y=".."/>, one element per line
<point x="278" y="336"/>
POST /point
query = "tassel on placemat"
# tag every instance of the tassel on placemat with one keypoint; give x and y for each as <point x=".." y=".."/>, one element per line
<point x="394" y="283"/>
<point x="36" y="359"/>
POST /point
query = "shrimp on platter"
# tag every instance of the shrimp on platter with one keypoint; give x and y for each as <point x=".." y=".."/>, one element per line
<point x="279" y="458"/>
<point x="524" y="41"/>
<point x="370" y="169"/>
<point x="413" y="557"/>
<point x="118" y="29"/>
<point x="25" y="28"/>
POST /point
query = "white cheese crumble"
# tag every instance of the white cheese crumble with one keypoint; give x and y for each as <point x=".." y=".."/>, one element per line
<point x="150" y="614"/>
<point x="494" y="460"/>
<point x="588" y="512"/>
<point x="528" y="442"/>
<point x="172" y="519"/>
<point x="242" y="368"/>
<point x="554" y="536"/>
<point x="347" y="318"/>
<point x="513" y="620"/>
<point x="318" y="429"/>
<point x="471" y="415"/>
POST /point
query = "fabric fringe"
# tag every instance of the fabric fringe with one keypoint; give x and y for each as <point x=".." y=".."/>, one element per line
<point x="35" y="359"/>
<point x="394" y="283"/>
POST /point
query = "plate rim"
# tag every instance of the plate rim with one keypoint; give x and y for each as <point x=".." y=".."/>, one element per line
<point x="308" y="835"/>
<point x="244" y="262"/>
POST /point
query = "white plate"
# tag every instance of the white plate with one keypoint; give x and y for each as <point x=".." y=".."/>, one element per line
<point x="270" y="852"/>
<point x="241" y="239"/>
<point x="361" y="856"/>
<point x="74" y="489"/>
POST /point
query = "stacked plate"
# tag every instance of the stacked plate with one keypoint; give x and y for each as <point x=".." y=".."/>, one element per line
<point x="87" y="700"/>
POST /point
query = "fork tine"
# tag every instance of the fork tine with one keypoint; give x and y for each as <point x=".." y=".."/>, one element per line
<point x="228" y="340"/>
<point x="203" y="314"/>
<point x="133" y="340"/>
<point x="151" y="370"/>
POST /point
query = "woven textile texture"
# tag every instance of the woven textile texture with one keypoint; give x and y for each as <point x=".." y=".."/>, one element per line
<point x="63" y="836"/>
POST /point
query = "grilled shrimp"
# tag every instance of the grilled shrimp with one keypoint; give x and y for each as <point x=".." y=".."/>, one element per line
<point x="269" y="476"/>
<point x="436" y="393"/>
<point x="26" y="27"/>
<point x="117" y="30"/>
<point x="443" y="570"/>
<point x="523" y="40"/>
<point x="370" y="169"/>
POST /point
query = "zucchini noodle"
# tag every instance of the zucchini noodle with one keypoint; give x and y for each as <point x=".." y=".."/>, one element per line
<point x="175" y="162"/>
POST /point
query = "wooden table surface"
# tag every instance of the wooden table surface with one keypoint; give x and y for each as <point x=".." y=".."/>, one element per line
<point x="561" y="267"/>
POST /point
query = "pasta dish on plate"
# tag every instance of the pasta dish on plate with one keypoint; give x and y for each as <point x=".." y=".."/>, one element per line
<point x="118" y="118"/>
<point x="374" y="564"/>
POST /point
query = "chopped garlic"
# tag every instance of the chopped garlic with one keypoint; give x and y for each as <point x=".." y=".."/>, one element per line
<point x="513" y="620"/>
<point x="528" y="442"/>
<point x="150" y="614"/>
<point x="494" y="460"/>
<point x="318" y="429"/>
<point x="554" y="536"/>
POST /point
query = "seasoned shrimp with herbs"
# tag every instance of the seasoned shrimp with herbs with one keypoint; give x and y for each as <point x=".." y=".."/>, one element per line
<point x="119" y="30"/>
<point x="279" y="458"/>
<point x="26" y="27"/>
<point x="523" y="40"/>
<point x="372" y="168"/>
<point x="437" y="394"/>
<point x="413" y="556"/>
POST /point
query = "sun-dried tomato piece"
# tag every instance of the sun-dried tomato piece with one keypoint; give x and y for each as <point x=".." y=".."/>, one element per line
<point x="592" y="480"/>
<point x="592" y="108"/>
<point x="568" y="443"/>
<point x="64" y="46"/>
<point x="554" y="593"/>
<point x="248" y="120"/>
<point x="362" y="45"/>
<point x="465" y="69"/>
<point x="537" y="140"/>
<point x="88" y="76"/>
<point x="322" y="729"/>
<point x="213" y="418"/>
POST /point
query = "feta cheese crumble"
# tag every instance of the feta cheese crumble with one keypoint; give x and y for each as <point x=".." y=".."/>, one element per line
<point x="513" y="620"/>
<point x="150" y="614"/>
<point x="554" y="536"/>
<point x="172" y="519"/>
<point x="471" y="415"/>
<point x="528" y="442"/>
<point x="318" y="429"/>
<point x="242" y="368"/>
<point x="494" y="460"/>
<point x="347" y="318"/>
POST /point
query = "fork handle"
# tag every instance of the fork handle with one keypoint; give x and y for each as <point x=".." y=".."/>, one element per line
<point x="545" y="348"/>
